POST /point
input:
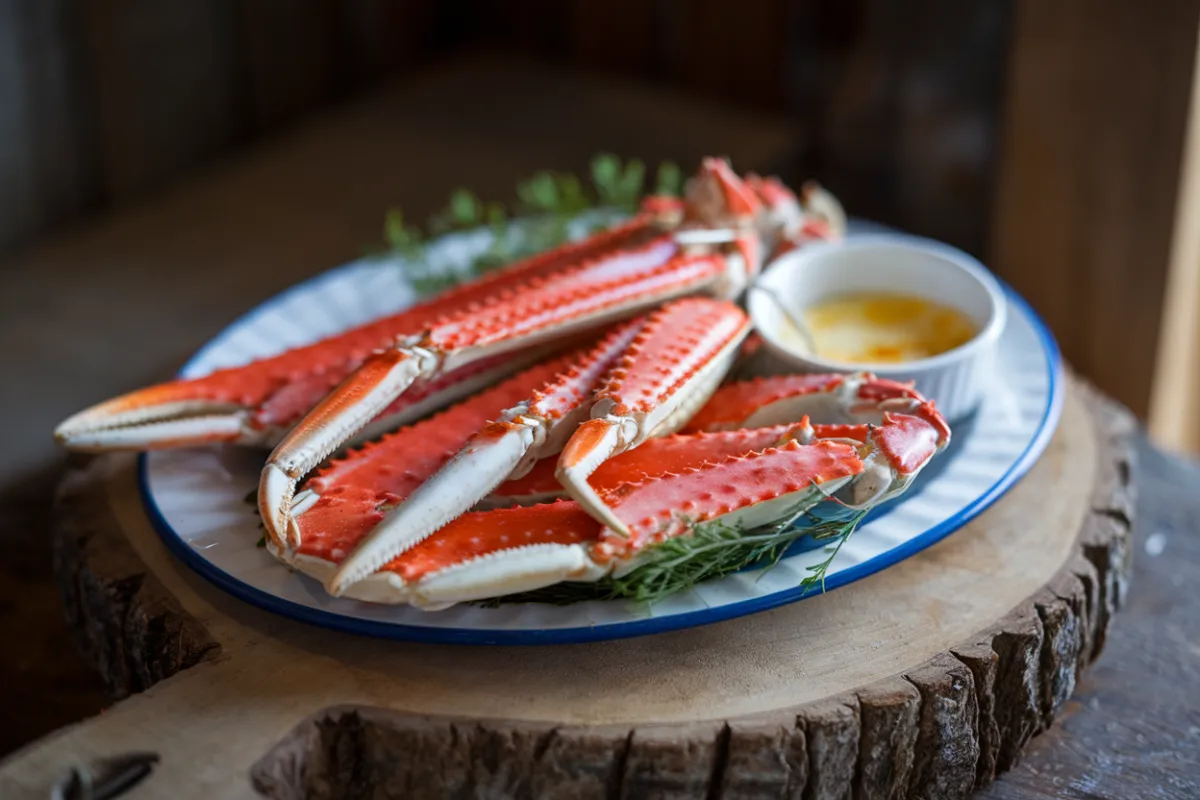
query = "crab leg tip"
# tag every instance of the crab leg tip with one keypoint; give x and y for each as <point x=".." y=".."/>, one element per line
<point x="274" y="504"/>
<point x="342" y="579"/>
<point x="593" y="443"/>
<point x="145" y="421"/>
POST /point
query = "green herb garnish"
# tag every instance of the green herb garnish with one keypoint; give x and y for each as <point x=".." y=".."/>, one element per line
<point x="712" y="550"/>
<point x="548" y="205"/>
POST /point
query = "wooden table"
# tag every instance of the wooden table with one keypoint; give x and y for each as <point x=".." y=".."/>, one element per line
<point x="186" y="262"/>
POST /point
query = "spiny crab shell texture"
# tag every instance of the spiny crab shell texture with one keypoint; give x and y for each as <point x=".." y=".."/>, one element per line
<point x="563" y="416"/>
<point x="749" y="477"/>
<point x="258" y="403"/>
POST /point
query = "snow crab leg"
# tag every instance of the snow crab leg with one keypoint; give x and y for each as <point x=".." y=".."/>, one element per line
<point x="645" y="379"/>
<point x="256" y="403"/>
<point x="664" y="488"/>
<point x="904" y="429"/>
<point x="576" y="303"/>
<point x="351" y="494"/>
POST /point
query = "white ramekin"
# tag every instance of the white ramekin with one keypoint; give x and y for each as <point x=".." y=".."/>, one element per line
<point x="955" y="380"/>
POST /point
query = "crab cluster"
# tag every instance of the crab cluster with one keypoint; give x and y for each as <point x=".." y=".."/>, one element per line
<point x="555" y="420"/>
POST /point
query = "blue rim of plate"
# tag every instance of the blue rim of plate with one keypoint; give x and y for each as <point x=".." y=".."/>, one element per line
<point x="621" y="630"/>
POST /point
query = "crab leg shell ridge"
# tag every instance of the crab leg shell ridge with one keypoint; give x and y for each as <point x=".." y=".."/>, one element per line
<point x="667" y="373"/>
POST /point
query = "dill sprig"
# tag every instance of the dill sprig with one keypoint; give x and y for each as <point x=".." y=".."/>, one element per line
<point x="547" y="214"/>
<point x="710" y="551"/>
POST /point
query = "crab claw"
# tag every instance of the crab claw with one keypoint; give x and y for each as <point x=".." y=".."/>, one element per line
<point x="897" y="450"/>
<point x="169" y="415"/>
<point x="507" y="447"/>
<point x="669" y="370"/>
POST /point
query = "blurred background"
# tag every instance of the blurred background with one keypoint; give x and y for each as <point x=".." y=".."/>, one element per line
<point x="165" y="165"/>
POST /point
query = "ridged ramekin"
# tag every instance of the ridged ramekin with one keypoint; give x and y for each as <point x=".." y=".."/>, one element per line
<point x="956" y="379"/>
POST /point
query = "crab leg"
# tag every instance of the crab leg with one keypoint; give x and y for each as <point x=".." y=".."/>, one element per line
<point x="256" y="403"/>
<point x="491" y="553"/>
<point x="578" y="302"/>
<point x="350" y="494"/>
<point x="904" y="429"/>
<point x="764" y="412"/>
<point x="828" y="398"/>
<point x="658" y="490"/>
<point x="677" y="360"/>
<point x="508" y="447"/>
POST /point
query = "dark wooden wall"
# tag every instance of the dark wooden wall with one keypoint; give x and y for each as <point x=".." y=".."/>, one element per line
<point x="1094" y="127"/>
<point x="1041" y="135"/>
<point x="103" y="100"/>
<point x="897" y="105"/>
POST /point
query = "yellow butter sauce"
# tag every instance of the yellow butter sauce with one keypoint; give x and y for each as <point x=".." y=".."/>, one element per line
<point x="883" y="328"/>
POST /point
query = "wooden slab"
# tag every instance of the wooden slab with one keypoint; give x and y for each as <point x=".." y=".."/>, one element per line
<point x="924" y="680"/>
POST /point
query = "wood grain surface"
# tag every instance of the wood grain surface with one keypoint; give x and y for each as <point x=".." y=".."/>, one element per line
<point x="927" y="678"/>
<point x="1132" y="728"/>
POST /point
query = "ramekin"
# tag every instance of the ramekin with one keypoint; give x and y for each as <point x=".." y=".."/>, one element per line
<point x="888" y="262"/>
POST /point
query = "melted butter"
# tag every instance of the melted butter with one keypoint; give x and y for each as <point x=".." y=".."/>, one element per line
<point x="882" y="328"/>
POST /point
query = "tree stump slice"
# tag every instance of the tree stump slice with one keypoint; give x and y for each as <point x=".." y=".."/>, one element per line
<point x="925" y="680"/>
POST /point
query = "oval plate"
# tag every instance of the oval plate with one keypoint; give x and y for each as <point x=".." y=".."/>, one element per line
<point x="196" y="498"/>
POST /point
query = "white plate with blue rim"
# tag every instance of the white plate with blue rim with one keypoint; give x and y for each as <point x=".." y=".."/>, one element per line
<point x="196" y="497"/>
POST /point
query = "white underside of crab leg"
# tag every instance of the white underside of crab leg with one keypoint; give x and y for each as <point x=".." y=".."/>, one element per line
<point x="455" y="488"/>
<point x="450" y="394"/>
<point x="151" y="424"/>
<point x="165" y="433"/>
<point x="382" y="587"/>
<point x="496" y="574"/>
<point x="336" y="419"/>
<point x="520" y="569"/>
